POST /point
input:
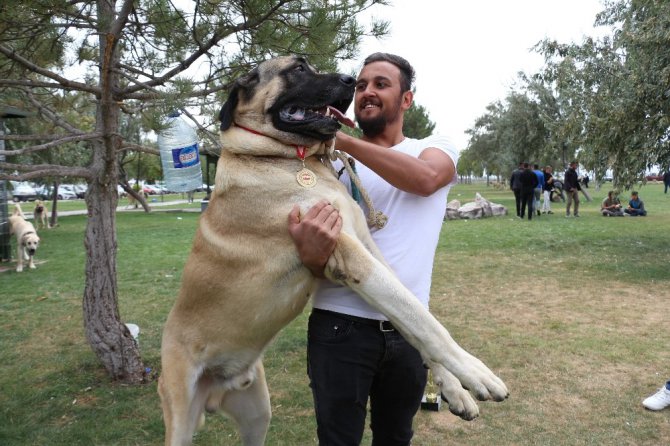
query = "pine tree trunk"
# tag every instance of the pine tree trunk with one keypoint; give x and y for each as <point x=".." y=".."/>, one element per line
<point x="108" y="336"/>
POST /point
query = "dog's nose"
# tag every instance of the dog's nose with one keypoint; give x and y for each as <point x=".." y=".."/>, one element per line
<point x="31" y="252"/>
<point x="347" y="80"/>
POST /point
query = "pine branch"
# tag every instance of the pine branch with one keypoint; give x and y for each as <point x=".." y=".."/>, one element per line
<point x="33" y="171"/>
<point x="51" y="115"/>
<point x="67" y="84"/>
<point x="49" y="145"/>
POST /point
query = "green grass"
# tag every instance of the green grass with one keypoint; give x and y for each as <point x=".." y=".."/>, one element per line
<point x="571" y="313"/>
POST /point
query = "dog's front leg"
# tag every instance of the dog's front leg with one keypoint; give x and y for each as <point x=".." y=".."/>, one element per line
<point x="354" y="266"/>
<point x="19" y="259"/>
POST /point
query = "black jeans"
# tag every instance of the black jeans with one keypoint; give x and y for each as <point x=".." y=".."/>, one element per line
<point x="527" y="201"/>
<point x="517" y="199"/>
<point x="349" y="359"/>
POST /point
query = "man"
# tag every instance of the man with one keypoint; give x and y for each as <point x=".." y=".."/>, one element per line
<point x="548" y="187"/>
<point x="351" y="355"/>
<point x="666" y="181"/>
<point x="538" y="189"/>
<point x="572" y="188"/>
<point x="611" y="205"/>
<point x="515" y="185"/>
<point x="529" y="182"/>
<point x="635" y="206"/>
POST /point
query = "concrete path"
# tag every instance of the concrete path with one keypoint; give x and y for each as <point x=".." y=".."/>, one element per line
<point x="152" y="204"/>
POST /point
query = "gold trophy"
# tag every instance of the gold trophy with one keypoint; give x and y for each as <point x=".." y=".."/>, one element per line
<point x="431" y="397"/>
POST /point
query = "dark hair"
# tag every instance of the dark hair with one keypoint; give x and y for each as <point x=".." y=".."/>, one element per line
<point x="634" y="193"/>
<point x="406" y="70"/>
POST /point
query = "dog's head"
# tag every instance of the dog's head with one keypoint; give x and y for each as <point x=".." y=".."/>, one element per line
<point x="288" y="100"/>
<point x="30" y="242"/>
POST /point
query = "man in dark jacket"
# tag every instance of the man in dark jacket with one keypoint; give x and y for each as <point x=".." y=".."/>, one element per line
<point x="529" y="182"/>
<point x="571" y="187"/>
<point x="666" y="180"/>
<point x="515" y="185"/>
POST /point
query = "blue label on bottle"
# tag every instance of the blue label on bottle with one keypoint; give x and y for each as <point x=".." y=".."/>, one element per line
<point x="185" y="156"/>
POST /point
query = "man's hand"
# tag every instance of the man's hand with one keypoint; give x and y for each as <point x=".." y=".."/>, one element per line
<point x="315" y="234"/>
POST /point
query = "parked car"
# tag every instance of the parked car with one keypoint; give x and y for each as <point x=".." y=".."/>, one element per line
<point x="66" y="192"/>
<point x="655" y="177"/>
<point x="24" y="192"/>
<point x="80" y="190"/>
<point x="43" y="192"/>
<point x="154" y="189"/>
<point x="149" y="189"/>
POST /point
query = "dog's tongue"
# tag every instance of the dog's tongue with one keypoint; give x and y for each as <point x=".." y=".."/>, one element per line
<point x="341" y="117"/>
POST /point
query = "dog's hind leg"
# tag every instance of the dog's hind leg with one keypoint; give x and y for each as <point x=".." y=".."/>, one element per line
<point x="250" y="408"/>
<point x="183" y="393"/>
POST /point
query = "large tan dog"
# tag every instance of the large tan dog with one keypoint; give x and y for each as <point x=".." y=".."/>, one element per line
<point x="244" y="281"/>
<point x="27" y="240"/>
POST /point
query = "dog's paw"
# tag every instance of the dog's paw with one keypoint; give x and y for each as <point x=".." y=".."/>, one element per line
<point x="459" y="400"/>
<point x="481" y="381"/>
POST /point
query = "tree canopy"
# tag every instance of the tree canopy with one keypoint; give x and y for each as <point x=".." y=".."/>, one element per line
<point x="604" y="101"/>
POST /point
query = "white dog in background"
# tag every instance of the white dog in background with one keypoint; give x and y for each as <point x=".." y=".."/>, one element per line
<point x="27" y="240"/>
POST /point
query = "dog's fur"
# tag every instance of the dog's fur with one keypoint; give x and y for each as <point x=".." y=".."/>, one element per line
<point x="41" y="215"/>
<point x="27" y="240"/>
<point x="134" y="202"/>
<point x="244" y="280"/>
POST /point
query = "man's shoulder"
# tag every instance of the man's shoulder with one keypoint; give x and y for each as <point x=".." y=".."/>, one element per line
<point x="435" y="141"/>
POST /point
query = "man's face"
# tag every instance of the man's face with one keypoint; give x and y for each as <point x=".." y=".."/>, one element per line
<point x="379" y="100"/>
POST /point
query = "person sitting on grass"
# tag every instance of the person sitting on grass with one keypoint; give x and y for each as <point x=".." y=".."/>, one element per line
<point x="635" y="206"/>
<point x="611" y="205"/>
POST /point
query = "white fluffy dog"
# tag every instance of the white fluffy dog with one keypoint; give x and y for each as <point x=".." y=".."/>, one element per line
<point x="27" y="240"/>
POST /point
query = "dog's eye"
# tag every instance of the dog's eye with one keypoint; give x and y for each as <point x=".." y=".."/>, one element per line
<point x="300" y="68"/>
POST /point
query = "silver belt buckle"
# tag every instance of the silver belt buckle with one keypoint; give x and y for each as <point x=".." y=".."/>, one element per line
<point x="385" y="330"/>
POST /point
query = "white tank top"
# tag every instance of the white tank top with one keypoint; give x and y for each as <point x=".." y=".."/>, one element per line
<point x="409" y="239"/>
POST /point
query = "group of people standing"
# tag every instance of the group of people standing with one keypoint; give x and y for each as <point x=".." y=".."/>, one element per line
<point x="528" y="186"/>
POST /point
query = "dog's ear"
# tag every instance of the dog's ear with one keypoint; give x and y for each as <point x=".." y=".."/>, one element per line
<point x="245" y="83"/>
<point x="226" y="113"/>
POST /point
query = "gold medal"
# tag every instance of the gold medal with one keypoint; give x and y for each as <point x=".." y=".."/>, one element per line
<point x="306" y="178"/>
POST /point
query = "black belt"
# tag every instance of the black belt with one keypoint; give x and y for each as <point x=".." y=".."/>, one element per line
<point x="383" y="326"/>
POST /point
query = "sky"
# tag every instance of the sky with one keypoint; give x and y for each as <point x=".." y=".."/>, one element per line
<point x="467" y="54"/>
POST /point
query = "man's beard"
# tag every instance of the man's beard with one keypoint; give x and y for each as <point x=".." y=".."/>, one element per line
<point x="373" y="127"/>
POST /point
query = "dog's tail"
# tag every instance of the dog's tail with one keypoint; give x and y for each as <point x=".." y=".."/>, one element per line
<point x="18" y="211"/>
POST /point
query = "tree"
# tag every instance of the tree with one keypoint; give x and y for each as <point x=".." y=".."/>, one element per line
<point x="417" y="123"/>
<point x="619" y="84"/>
<point x="140" y="59"/>
<point x="508" y="133"/>
<point x="484" y="147"/>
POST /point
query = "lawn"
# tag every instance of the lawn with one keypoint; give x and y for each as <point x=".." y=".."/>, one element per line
<point x="571" y="313"/>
